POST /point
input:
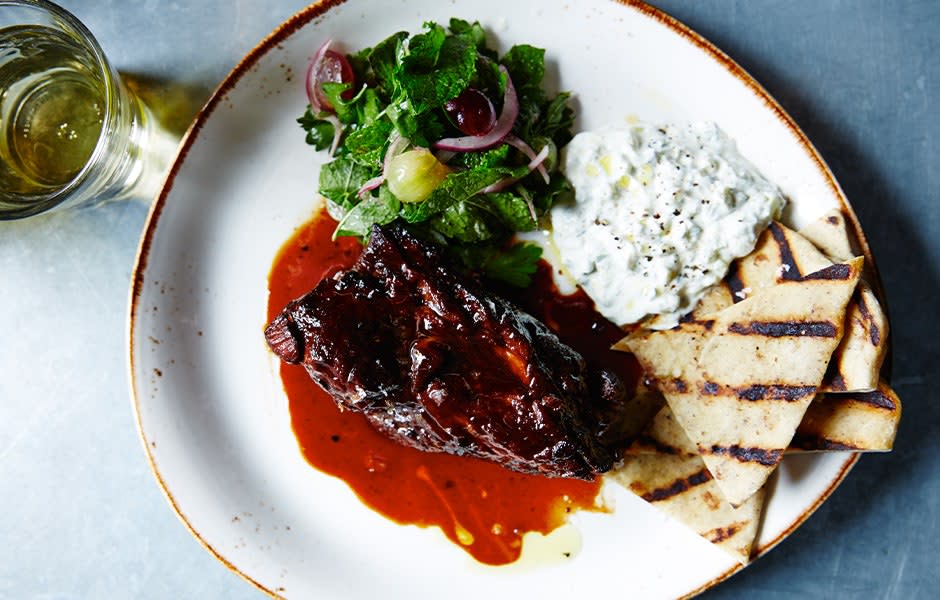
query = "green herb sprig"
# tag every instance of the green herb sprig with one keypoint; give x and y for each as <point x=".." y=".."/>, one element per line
<point x="402" y="85"/>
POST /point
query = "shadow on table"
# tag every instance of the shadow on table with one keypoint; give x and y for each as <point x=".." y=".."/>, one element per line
<point x="174" y="104"/>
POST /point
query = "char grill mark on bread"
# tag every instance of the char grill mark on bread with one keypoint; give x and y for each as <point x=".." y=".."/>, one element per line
<point x="785" y="328"/>
<point x="678" y="486"/>
<point x="763" y="456"/>
<point x="435" y="362"/>
<point x="790" y="269"/>
<point x="839" y="272"/>
<point x="719" y="535"/>
<point x="867" y="318"/>
<point x="754" y="393"/>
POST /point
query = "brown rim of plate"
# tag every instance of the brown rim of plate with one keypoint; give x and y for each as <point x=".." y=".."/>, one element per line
<point x="318" y="9"/>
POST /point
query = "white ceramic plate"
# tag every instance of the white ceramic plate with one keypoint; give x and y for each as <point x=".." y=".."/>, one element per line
<point x="212" y="413"/>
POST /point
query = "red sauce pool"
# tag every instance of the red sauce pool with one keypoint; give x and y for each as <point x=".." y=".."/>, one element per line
<point x="482" y="507"/>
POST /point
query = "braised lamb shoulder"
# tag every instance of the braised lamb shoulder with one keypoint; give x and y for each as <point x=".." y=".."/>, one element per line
<point x="436" y="362"/>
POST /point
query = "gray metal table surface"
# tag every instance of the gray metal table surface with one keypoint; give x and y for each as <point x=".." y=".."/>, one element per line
<point x="80" y="513"/>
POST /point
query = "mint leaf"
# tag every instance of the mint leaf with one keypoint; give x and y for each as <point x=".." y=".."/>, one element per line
<point x="373" y="210"/>
<point x="455" y="188"/>
<point x="383" y="60"/>
<point x="341" y="179"/>
<point x="526" y="65"/>
<point x="367" y="145"/>
<point x="473" y="30"/>
<point x="488" y="78"/>
<point x="431" y="86"/>
<point x="369" y="106"/>
<point x="464" y="221"/>
<point x="483" y="159"/>
<point x="510" y="209"/>
<point x="557" y="119"/>
<point x="424" y="48"/>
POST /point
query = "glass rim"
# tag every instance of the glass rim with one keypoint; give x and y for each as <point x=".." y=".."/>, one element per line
<point x="63" y="19"/>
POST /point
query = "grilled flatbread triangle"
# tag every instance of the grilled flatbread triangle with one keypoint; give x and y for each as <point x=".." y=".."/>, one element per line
<point x="856" y="364"/>
<point x="782" y="254"/>
<point x="830" y="234"/>
<point x="662" y="435"/>
<point x="857" y="421"/>
<point x="662" y="465"/>
<point x="681" y="486"/>
<point x="761" y="367"/>
<point x="740" y="382"/>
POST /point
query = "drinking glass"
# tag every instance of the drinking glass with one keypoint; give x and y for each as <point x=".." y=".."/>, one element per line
<point x="71" y="133"/>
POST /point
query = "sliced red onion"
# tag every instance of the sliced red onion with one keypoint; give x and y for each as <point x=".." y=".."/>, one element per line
<point x="337" y="131"/>
<point x="445" y="155"/>
<point x="507" y="118"/>
<point x="519" y="144"/>
<point x="395" y="147"/>
<point x="311" y="82"/>
<point x="505" y="182"/>
<point x="528" y="202"/>
<point x="371" y="185"/>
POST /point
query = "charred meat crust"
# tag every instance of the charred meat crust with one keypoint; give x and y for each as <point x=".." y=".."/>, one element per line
<point x="437" y="363"/>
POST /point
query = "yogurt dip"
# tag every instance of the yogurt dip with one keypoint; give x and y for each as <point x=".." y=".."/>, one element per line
<point x="659" y="214"/>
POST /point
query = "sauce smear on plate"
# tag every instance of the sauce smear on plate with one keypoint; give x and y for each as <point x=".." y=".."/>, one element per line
<point x="480" y="506"/>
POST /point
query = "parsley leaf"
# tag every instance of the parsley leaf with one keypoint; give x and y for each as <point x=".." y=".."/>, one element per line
<point x="515" y="266"/>
<point x="319" y="132"/>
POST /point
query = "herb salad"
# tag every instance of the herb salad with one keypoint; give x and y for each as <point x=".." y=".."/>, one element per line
<point x="438" y="130"/>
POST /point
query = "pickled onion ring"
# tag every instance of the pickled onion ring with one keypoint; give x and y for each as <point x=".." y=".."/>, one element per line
<point x="311" y="82"/>
<point x="526" y="149"/>
<point x="505" y="182"/>
<point x="371" y="185"/>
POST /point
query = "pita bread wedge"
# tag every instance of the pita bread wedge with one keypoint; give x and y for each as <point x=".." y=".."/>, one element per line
<point x="857" y="362"/>
<point x="863" y="421"/>
<point x="681" y="486"/>
<point x="859" y="422"/>
<point x="740" y="382"/>
<point x="830" y="234"/>
<point x="782" y="254"/>
<point x="662" y="435"/>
